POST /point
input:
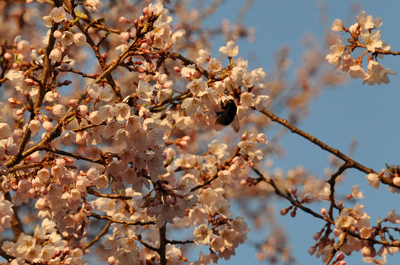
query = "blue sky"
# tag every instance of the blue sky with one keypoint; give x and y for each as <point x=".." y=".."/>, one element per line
<point x="368" y="113"/>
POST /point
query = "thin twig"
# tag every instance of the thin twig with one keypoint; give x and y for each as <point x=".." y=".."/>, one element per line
<point x="97" y="238"/>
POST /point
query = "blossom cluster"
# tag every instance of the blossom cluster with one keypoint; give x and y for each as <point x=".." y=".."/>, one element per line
<point x="364" y="35"/>
<point x="124" y="153"/>
<point x="390" y="174"/>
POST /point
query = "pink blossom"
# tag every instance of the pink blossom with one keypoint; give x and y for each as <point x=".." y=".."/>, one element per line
<point x="79" y="39"/>
<point x="230" y="49"/>
<point x="337" y="25"/>
<point x="56" y="55"/>
<point x="58" y="14"/>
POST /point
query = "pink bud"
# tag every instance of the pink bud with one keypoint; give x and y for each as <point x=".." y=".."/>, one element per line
<point x="309" y="198"/>
<point x="6" y="186"/>
<point x="312" y="250"/>
<point x="169" y="201"/>
<point x="186" y="138"/>
<point x="73" y="103"/>
<point x="66" y="251"/>
<point x="104" y="56"/>
<point x="8" y="56"/>
<point x="123" y="20"/>
<point x="20" y="112"/>
<point x="317" y="235"/>
<point x="284" y="211"/>
<point x="30" y="82"/>
<point x="57" y="34"/>
<point x="323" y="212"/>
<point x="145" y="11"/>
<point x="292" y="189"/>
<point x="89" y="207"/>
<point x="12" y="101"/>
<point x="43" y="190"/>
<point x="157" y="202"/>
<point x="293" y="213"/>
<point x="340" y="257"/>
<point x="47" y="126"/>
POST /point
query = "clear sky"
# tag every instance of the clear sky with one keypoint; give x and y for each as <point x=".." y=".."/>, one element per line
<point x="367" y="113"/>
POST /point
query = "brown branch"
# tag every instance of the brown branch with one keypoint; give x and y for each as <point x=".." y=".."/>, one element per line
<point x="336" y="249"/>
<point x="176" y="242"/>
<point x="10" y="258"/>
<point x="14" y="169"/>
<point x="299" y="205"/>
<point x="165" y="102"/>
<point x="215" y="176"/>
<point x="293" y="201"/>
<point x="76" y="156"/>
<point x="163" y="244"/>
<point x="97" y="216"/>
<point x="110" y="196"/>
<point x="294" y="129"/>
<point x="332" y="182"/>
<point x="350" y="162"/>
<point x="97" y="238"/>
<point x="377" y="50"/>
<point x="187" y="61"/>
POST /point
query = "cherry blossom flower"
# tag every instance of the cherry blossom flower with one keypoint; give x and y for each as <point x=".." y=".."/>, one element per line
<point x="67" y="38"/>
<point x="144" y="91"/>
<point x="377" y="74"/>
<point x="247" y="99"/>
<point x="337" y="51"/>
<point x="366" y="22"/>
<point x="202" y="235"/>
<point x="58" y="110"/>
<point x="357" y="194"/>
<point x="192" y="106"/>
<point x="5" y="130"/>
<point x="344" y="219"/>
<point x="93" y="5"/>
<point x="356" y="71"/>
<point x="56" y="55"/>
<point x="189" y="71"/>
<point x="6" y="212"/>
<point x="79" y="39"/>
<point x="58" y="14"/>
<point x="371" y="40"/>
<point x="17" y="79"/>
<point x="337" y="25"/>
<point x="373" y="180"/>
<point x="178" y="38"/>
<point x="393" y="217"/>
<point x="325" y="193"/>
<point x="261" y="102"/>
<point x="214" y="65"/>
<point x="204" y="56"/>
<point x="230" y="49"/>
<point x="197" y="86"/>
